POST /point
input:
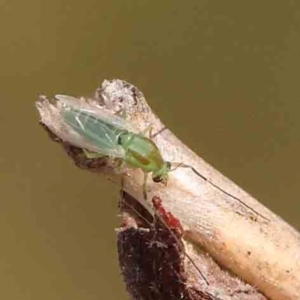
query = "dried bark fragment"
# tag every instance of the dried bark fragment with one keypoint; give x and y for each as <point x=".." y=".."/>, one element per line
<point x="150" y="257"/>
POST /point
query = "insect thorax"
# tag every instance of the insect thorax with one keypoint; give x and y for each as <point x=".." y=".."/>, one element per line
<point x="141" y="152"/>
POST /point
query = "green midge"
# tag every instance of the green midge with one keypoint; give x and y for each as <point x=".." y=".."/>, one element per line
<point x="138" y="151"/>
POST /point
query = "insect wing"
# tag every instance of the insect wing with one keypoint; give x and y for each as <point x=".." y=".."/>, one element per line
<point x="102" y="136"/>
<point x="97" y="111"/>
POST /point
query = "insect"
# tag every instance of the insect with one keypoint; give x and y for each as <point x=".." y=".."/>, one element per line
<point x="106" y="134"/>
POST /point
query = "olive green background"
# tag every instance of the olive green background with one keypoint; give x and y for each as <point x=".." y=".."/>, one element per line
<point x="223" y="75"/>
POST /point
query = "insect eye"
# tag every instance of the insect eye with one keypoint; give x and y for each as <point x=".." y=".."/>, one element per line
<point x="157" y="179"/>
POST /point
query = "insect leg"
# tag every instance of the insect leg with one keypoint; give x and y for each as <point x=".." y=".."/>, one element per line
<point x="91" y="155"/>
<point x="122" y="113"/>
<point x="145" y="185"/>
<point x="147" y="131"/>
<point x="158" y="132"/>
<point x="152" y="135"/>
<point x="182" y="165"/>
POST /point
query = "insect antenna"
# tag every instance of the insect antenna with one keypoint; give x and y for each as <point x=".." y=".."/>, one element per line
<point x="182" y="165"/>
<point x="170" y="231"/>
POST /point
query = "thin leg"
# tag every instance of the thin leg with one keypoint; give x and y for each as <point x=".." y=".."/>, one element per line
<point x="158" y="132"/>
<point x="147" y="131"/>
<point x="145" y="185"/>
<point x="91" y="155"/>
<point x="119" y="165"/>
<point x="122" y="113"/>
<point x="122" y="189"/>
<point x="178" y="165"/>
<point x="182" y="165"/>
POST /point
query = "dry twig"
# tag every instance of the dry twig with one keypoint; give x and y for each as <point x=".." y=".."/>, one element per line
<point x="219" y="232"/>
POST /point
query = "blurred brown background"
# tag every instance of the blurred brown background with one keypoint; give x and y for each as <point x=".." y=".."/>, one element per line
<point x="223" y="75"/>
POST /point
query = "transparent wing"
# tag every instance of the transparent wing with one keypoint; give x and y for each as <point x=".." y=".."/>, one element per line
<point x="102" y="136"/>
<point x="98" y="112"/>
